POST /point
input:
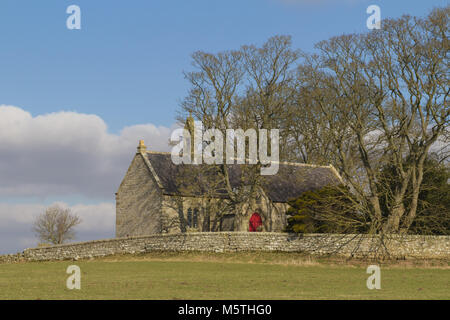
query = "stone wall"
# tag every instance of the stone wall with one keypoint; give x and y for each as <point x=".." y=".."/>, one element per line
<point x="12" y="258"/>
<point x="406" y="247"/>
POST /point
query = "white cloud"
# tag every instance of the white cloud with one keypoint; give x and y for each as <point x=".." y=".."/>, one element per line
<point x="64" y="155"/>
<point x="16" y="221"/>
<point x="67" y="153"/>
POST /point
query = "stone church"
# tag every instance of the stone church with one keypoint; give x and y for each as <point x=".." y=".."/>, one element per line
<point x="150" y="200"/>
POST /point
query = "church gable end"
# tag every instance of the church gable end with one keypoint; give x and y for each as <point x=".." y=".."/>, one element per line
<point x="138" y="201"/>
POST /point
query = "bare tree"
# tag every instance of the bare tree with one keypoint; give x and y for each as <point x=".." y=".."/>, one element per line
<point x="246" y="89"/>
<point x="55" y="225"/>
<point x="362" y="102"/>
<point x="383" y="98"/>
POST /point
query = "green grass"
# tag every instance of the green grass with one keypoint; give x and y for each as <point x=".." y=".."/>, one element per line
<point x="223" y="276"/>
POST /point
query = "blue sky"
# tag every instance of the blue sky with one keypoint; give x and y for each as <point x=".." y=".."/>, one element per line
<point x="126" y="62"/>
<point x="74" y="103"/>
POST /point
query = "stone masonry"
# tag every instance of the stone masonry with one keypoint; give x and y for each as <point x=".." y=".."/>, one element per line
<point x="138" y="202"/>
<point x="399" y="247"/>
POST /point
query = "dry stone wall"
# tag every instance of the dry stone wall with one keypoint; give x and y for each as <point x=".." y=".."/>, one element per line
<point x="406" y="247"/>
<point x="11" y="258"/>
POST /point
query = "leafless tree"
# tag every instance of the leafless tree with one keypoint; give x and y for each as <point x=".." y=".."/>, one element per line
<point x="361" y="102"/>
<point x="382" y="99"/>
<point x="55" y="225"/>
<point x="242" y="89"/>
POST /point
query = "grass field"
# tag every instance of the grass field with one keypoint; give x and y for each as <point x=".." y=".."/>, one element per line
<point x="223" y="276"/>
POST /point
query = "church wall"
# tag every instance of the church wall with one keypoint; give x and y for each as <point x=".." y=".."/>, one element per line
<point x="172" y="214"/>
<point x="138" y="202"/>
<point x="175" y="211"/>
<point x="175" y="214"/>
<point x="273" y="214"/>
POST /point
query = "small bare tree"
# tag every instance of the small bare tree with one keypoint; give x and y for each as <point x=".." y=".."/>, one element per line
<point x="55" y="225"/>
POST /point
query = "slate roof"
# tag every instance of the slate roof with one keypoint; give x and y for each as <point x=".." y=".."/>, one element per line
<point x="291" y="180"/>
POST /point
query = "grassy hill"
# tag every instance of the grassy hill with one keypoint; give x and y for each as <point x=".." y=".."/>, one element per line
<point x="224" y="276"/>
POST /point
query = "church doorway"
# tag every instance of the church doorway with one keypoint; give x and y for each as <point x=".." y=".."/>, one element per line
<point x="255" y="223"/>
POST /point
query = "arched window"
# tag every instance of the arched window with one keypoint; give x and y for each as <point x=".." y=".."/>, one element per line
<point x="189" y="217"/>
<point x="195" y="218"/>
<point x="181" y="216"/>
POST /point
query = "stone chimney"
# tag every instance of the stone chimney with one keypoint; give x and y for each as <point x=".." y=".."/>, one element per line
<point x="141" y="147"/>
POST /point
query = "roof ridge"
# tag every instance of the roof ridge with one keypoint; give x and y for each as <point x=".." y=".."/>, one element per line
<point x="298" y="164"/>
<point x="158" y="152"/>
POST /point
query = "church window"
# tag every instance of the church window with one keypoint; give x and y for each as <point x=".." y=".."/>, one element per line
<point x="195" y="218"/>
<point x="189" y="217"/>
<point x="192" y="218"/>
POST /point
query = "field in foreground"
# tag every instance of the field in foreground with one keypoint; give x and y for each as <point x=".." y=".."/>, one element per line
<point x="223" y="276"/>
